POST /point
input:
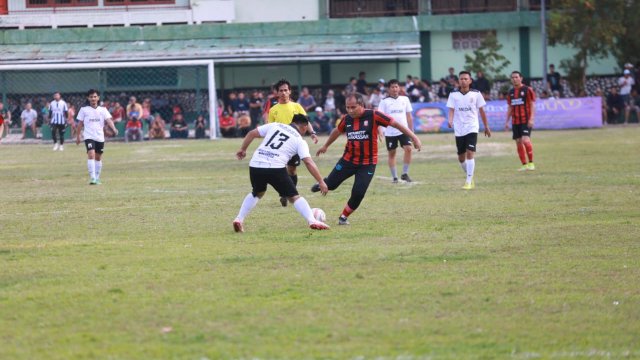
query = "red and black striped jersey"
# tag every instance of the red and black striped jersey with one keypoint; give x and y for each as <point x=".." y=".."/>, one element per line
<point x="520" y="100"/>
<point x="362" y="136"/>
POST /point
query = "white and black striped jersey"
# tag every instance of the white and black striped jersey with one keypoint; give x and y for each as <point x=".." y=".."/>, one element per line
<point x="58" y="110"/>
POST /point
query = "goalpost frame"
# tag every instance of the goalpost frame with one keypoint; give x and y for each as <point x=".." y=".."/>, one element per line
<point x="213" y="102"/>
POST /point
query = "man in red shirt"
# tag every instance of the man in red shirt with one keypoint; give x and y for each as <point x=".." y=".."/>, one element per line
<point x="521" y="100"/>
<point x="133" y="130"/>
<point x="361" y="151"/>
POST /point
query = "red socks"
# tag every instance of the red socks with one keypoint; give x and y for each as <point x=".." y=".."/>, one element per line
<point x="521" y="154"/>
<point x="529" y="148"/>
<point x="347" y="211"/>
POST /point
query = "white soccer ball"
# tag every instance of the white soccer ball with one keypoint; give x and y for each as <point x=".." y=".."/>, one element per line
<point x="319" y="214"/>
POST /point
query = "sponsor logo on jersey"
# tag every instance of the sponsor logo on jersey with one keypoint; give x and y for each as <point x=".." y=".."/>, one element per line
<point x="358" y="135"/>
<point x="518" y="101"/>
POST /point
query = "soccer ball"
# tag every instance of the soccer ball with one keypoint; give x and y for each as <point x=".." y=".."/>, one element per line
<point x="319" y="214"/>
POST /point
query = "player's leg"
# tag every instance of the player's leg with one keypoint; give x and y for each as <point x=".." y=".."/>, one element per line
<point x="471" y="140"/>
<point x="259" y="180"/>
<point x="34" y="129"/>
<point x="363" y="176"/>
<point x="91" y="160"/>
<point x="54" y="136"/>
<point x="392" y="145"/>
<point x="406" y="146"/>
<point x="24" y="129"/>
<point x="461" y="151"/>
<point x="62" y="131"/>
<point x="528" y="146"/>
<point x="293" y="174"/>
<point x="99" y="146"/>
<point x="341" y="172"/>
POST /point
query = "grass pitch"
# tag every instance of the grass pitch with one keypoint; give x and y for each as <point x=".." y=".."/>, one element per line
<point x="540" y="264"/>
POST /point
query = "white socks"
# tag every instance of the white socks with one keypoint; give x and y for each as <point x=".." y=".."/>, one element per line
<point x="91" y="165"/>
<point x="394" y="172"/>
<point x="304" y="209"/>
<point x="471" y="166"/>
<point x="98" y="168"/>
<point x="463" y="165"/>
<point x="248" y="204"/>
<point x="405" y="168"/>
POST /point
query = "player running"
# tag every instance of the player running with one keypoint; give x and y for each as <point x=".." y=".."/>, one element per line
<point x="267" y="166"/>
<point x="361" y="151"/>
<point x="92" y="118"/>
<point x="521" y="100"/>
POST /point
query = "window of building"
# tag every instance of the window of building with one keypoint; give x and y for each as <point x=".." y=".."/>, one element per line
<point x="136" y="2"/>
<point x="60" y="3"/>
<point x="369" y="8"/>
<point x="469" y="40"/>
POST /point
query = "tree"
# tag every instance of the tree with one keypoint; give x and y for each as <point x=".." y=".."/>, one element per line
<point x="487" y="58"/>
<point x="592" y="27"/>
<point x="628" y="44"/>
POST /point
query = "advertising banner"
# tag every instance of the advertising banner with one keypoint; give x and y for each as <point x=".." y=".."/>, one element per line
<point x="569" y="113"/>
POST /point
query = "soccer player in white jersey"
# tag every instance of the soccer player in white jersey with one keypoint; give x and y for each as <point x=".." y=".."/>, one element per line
<point x="399" y="108"/>
<point x="464" y="105"/>
<point x="58" y="111"/>
<point x="268" y="167"/>
<point x="93" y="118"/>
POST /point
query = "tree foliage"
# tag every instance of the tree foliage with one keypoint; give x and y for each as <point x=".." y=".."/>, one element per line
<point x="592" y="27"/>
<point x="628" y="44"/>
<point x="487" y="58"/>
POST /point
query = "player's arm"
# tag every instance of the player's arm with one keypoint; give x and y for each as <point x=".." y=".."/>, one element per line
<point x="509" y="114"/>
<point x="313" y="170"/>
<point x="409" y="121"/>
<point x="335" y="133"/>
<point x="246" y="142"/>
<point x="483" y="116"/>
<point x="79" y="131"/>
<point x="451" y="111"/>
<point x="405" y="130"/>
<point x="111" y="125"/>
<point x="532" y="110"/>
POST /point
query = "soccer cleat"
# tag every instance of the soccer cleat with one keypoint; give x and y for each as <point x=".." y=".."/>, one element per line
<point x="342" y="220"/>
<point x="469" y="185"/>
<point x="395" y="180"/>
<point x="93" y="182"/>
<point x="55" y="147"/>
<point x="315" y="188"/>
<point x="237" y="226"/>
<point x="61" y="148"/>
<point x="405" y="177"/>
<point x="524" y="167"/>
<point x="98" y="182"/>
<point x="318" y="225"/>
<point x="283" y="201"/>
<point x="531" y="166"/>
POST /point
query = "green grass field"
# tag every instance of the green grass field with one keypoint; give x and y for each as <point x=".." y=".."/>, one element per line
<point x="540" y="264"/>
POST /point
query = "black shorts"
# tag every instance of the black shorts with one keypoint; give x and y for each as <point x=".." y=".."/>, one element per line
<point x="344" y="170"/>
<point x="278" y="178"/>
<point x="295" y="160"/>
<point x="392" y="141"/>
<point x="91" y="144"/>
<point x="467" y="142"/>
<point x="521" y="130"/>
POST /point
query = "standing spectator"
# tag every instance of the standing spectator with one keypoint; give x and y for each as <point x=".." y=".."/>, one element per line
<point x="44" y="112"/>
<point x="71" y="119"/>
<point x="321" y="123"/>
<point x="443" y="90"/>
<point x="626" y="82"/>
<point x="118" y="112"/>
<point x="146" y="111"/>
<point x="134" y="109"/>
<point x="240" y="105"/>
<point x="634" y="104"/>
<point x="603" y="100"/>
<point x="59" y="112"/>
<point x="383" y="89"/>
<point x="408" y="84"/>
<point x="29" y="118"/>
<point x="553" y="80"/>
<point x="425" y="91"/>
<point x="521" y="101"/>
<point x="361" y="151"/>
<point x="482" y="84"/>
<point x="451" y="76"/>
<point x="351" y="87"/>
<point x="133" y="130"/>
<point x="3" y="113"/>
<point x="330" y="104"/>
<point x="233" y="98"/>
<point x="272" y="99"/>
<point x="200" y="127"/>
<point x="306" y="100"/>
<point x="399" y="108"/>
<point x="361" y="84"/>
<point x="255" y="106"/>
<point x="464" y="106"/>
<point x="179" y="128"/>
<point x="156" y="130"/>
<point x="228" y="125"/>
<point x="375" y="98"/>
<point x="92" y="120"/>
<point x="615" y="103"/>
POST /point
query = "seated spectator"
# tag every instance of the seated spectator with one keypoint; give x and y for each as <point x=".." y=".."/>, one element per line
<point x="146" y="111"/>
<point x="134" y="109"/>
<point x="443" y="90"/>
<point x="228" y="125"/>
<point x="117" y="112"/>
<point x="634" y="105"/>
<point x="240" y="105"/>
<point x="133" y="130"/>
<point x="322" y="122"/>
<point x="244" y="124"/>
<point x="156" y="130"/>
<point x="179" y="128"/>
<point x="200" y="126"/>
<point x="615" y="104"/>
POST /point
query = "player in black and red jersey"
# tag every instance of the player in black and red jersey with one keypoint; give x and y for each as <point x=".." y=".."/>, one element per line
<point x="361" y="151"/>
<point x="521" y="100"/>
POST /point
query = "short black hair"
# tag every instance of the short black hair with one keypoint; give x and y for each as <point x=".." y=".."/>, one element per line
<point x="93" y="91"/>
<point x="393" y="81"/>
<point x="464" y="72"/>
<point x="516" y="72"/>
<point x="300" y="119"/>
<point x="281" y="82"/>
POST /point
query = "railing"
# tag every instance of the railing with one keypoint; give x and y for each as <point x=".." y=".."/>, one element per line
<point x="371" y="8"/>
<point x="439" y="7"/>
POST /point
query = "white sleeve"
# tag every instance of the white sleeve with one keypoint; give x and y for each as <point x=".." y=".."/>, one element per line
<point x="382" y="107"/>
<point x="408" y="107"/>
<point x="80" y="116"/>
<point x="264" y="129"/>
<point x="481" y="102"/>
<point x="450" y="102"/>
<point x="303" y="149"/>
<point x="106" y="113"/>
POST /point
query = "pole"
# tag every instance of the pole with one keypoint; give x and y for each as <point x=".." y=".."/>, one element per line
<point x="213" y="102"/>
<point x="543" y="31"/>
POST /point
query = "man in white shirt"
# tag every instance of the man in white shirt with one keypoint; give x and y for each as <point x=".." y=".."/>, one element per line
<point x="91" y="121"/>
<point x="626" y="82"/>
<point x="464" y="105"/>
<point x="268" y="167"/>
<point x="58" y="111"/>
<point x="29" y="118"/>
<point x="399" y="108"/>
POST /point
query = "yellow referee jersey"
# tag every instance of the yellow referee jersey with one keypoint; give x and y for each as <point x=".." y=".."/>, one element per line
<point x="283" y="113"/>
